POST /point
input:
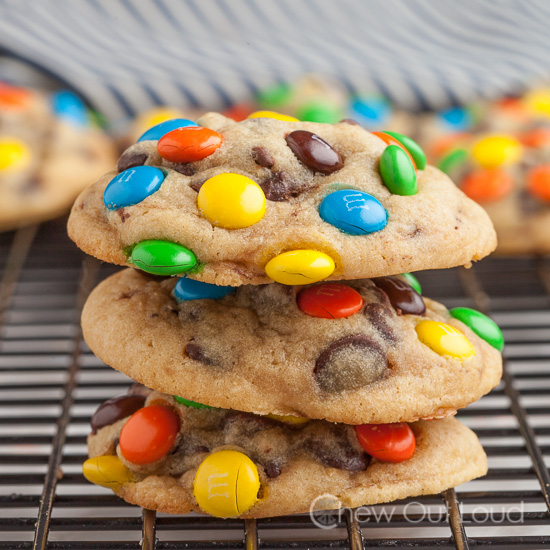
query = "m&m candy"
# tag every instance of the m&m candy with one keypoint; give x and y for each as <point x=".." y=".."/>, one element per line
<point x="329" y="301"/>
<point x="444" y="339"/>
<point x="70" y="107"/>
<point x="482" y="325"/>
<point x="288" y="419"/>
<point x="107" y="471"/>
<point x="387" y="442"/>
<point x="159" y="130"/>
<point x="272" y="114"/>
<point x="397" y="171"/>
<point x="485" y="185"/>
<point x="226" y="484"/>
<point x="319" y="110"/>
<point x="162" y="257"/>
<point x="457" y="119"/>
<point x="413" y="281"/>
<point x="232" y="201"/>
<point x="370" y="111"/>
<point x="453" y="160"/>
<point x="390" y="140"/>
<point x="497" y="150"/>
<point x="14" y="154"/>
<point x="132" y="186"/>
<point x="189" y="289"/>
<point x="414" y="150"/>
<point x="189" y="403"/>
<point x="189" y="144"/>
<point x="538" y="182"/>
<point x="299" y="267"/>
<point x="149" y="434"/>
<point x="353" y="212"/>
<point x="12" y="97"/>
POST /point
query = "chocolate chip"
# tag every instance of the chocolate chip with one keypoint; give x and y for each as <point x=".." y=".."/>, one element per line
<point x="379" y="315"/>
<point x="116" y="409"/>
<point x="184" y="168"/>
<point x="350" y="121"/>
<point x="350" y="363"/>
<point x="402" y="295"/>
<point x="196" y="185"/>
<point x="314" y="152"/>
<point x="272" y="469"/>
<point x="341" y="456"/>
<point x="280" y="187"/>
<point x="131" y="159"/>
<point x="197" y="353"/>
<point x="123" y="215"/>
<point x="139" y="389"/>
<point x="262" y="157"/>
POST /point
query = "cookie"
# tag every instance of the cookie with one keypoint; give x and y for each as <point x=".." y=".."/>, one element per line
<point x="265" y="199"/>
<point x="509" y="175"/>
<point x="367" y="351"/>
<point x="177" y="458"/>
<point x="49" y="152"/>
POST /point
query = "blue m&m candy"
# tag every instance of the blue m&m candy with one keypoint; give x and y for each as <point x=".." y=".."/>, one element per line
<point x="157" y="131"/>
<point x="370" y="111"/>
<point x="189" y="289"/>
<point x="132" y="186"/>
<point x="457" y="118"/>
<point x="70" y="107"/>
<point x="353" y="212"/>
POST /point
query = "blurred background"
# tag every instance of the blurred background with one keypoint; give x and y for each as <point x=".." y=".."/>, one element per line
<point x="80" y="80"/>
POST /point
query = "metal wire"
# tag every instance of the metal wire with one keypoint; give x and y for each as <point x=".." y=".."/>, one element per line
<point x="50" y="383"/>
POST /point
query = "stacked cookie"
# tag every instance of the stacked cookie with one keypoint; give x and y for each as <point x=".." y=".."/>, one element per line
<point x="272" y="384"/>
<point x="50" y="150"/>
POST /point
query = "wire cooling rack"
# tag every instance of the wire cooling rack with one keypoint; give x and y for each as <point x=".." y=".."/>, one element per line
<point x="50" y="384"/>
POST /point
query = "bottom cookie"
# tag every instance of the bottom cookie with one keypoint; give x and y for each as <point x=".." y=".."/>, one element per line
<point x="168" y="454"/>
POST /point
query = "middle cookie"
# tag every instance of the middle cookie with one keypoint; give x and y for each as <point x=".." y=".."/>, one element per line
<point x="364" y="351"/>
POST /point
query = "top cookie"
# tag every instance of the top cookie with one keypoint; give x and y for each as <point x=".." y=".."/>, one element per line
<point x="260" y="200"/>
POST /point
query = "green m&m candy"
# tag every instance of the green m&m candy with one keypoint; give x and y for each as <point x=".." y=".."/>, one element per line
<point x="412" y="147"/>
<point x="413" y="281"/>
<point x="397" y="171"/>
<point x="162" y="257"/>
<point x="453" y="160"/>
<point x="481" y="324"/>
<point x="319" y="111"/>
<point x="192" y="404"/>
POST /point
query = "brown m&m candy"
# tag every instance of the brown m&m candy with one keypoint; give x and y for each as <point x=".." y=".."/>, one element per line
<point x="329" y="301"/>
<point x="402" y="296"/>
<point x="314" y="152"/>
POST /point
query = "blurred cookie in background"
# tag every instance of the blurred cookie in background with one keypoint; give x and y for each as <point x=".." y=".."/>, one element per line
<point x="51" y="148"/>
<point x="508" y="173"/>
<point x="318" y="98"/>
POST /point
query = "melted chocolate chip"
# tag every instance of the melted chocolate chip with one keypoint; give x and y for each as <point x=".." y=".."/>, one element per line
<point x="341" y="456"/>
<point x="314" y="152"/>
<point x="403" y="297"/>
<point x="128" y="295"/>
<point x="379" y="315"/>
<point x="139" y="389"/>
<point x="197" y="353"/>
<point x="116" y="409"/>
<point x="272" y="469"/>
<point x="196" y="185"/>
<point x="184" y="168"/>
<point x="350" y="363"/>
<point x="262" y="157"/>
<point x="280" y="187"/>
<point x="130" y="159"/>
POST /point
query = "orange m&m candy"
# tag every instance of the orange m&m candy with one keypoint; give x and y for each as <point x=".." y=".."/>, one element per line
<point x="189" y="144"/>
<point x="538" y="137"/>
<point x="149" y="434"/>
<point x="390" y="140"/>
<point x="12" y="97"/>
<point x="329" y="301"/>
<point x="486" y="185"/>
<point x="538" y="182"/>
<point x="387" y="442"/>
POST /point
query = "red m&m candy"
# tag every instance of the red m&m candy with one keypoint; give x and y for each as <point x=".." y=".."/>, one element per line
<point x="329" y="301"/>
<point x="387" y="442"/>
<point x="189" y="144"/>
<point x="149" y="434"/>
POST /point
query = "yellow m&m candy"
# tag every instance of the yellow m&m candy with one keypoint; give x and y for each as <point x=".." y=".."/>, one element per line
<point x="14" y="154"/>
<point x="300" y="267"/>
<point x="157" y="115"/>
<point x="107" y="471"/>
<point x="226" y="484"/>
<point x="232" y="201"/>
<point x="494" y="151"/>
<point x="272" y="114"/>
<point x="444" y="339"/>
<point x="538" y="101"/>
